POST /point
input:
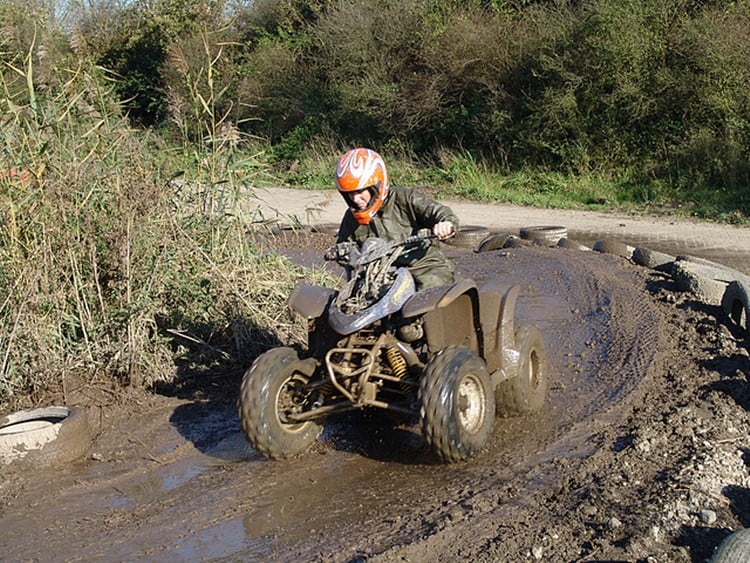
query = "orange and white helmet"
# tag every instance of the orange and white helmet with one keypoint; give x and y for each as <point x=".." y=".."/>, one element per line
<point x="363" y="169"/>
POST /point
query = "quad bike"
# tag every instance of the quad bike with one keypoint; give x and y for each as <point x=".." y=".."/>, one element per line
<point x="449" y="355"/>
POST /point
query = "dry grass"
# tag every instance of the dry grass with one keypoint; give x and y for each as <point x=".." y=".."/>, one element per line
<point x="107" y="268"/>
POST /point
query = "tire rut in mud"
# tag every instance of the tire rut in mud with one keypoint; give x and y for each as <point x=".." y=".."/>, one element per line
<point x="600" y="324"/>
<point x="602" y="332"/>
<point x="601" y="328"/>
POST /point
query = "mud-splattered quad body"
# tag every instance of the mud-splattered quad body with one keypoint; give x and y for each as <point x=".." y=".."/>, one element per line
<point x="451" y="355"/>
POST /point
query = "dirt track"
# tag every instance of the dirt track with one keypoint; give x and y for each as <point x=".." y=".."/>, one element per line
<point x="642" y="452"/>
<point x="675" y="235"/>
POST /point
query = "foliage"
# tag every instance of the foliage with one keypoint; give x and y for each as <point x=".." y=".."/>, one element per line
<point x="108" y="266"/>
<point x="655" y="91"/>
<point x="266" y="19"/>
<point x="132" y="137"/>
<point x="133" y="39"/>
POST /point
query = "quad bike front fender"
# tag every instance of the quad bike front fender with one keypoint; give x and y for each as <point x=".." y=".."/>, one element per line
<point x="310" y="301"/>
<point x="398" y="294"/>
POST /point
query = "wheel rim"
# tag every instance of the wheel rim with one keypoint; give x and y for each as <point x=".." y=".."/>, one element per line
<point x="289" y="399"/>
<point x="471" y="403"/>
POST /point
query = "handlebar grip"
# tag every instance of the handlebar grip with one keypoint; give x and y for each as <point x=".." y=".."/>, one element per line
<point x="422" y="235"/>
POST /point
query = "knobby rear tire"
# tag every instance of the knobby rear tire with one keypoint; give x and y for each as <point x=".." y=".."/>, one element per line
<point x="525" y="393"/>
<point x="734" y="549"/>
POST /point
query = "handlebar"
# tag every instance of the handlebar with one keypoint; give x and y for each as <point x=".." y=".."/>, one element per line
<point x="420" y="236"/>
<point x="342" y="250"/>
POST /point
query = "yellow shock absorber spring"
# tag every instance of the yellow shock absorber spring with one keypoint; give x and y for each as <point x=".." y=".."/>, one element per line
<point x="396" y="361"/>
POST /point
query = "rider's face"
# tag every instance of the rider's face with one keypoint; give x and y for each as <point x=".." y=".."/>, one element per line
<point x="360" y="199"/>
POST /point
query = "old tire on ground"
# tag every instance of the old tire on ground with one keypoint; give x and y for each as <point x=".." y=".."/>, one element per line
<point x="736" y="304"/>
<point x="653" y="259"/>
<point x="494" y="241"/>
<point x="518" y="242"/>
<point x="734" y="549"/>
<point x="615" y="247"/>
<point x="48" y="435"/>
<point x="468" y="237"/>
<point x="525" y="393"/>
<point x="711" y="269"/>
<point x="551" y="234"/>
<point x="699" y="280"/>
<point x="715" y="270"/>
<point x="458" y="411"/>
<point x="572" y="244"/>
<point x="270" y="389"/>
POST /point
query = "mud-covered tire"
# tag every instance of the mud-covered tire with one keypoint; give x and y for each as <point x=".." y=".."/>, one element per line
<point x="615" y="247"/>
<point x="572" y="244"/>
<point x="711" y="269"/>
<point x="736" y="303"/>
<point x="525" y="393"/>
<point x="468" y="237"/>
<point x="516" y="242"/>
<point x="457" y="408"/>
<point x="550" y="234"/>
<point x="269" y="382"/>
<point x="496" y="241"/>
<point x="653" y="259"/>
<point x="703" y="282"/>
<point x="49" y="435"/>
<point x="734" y="549"/>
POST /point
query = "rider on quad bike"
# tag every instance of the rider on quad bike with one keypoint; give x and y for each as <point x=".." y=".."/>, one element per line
<point x="399" y="335"/>
<point x="377" y="209"/>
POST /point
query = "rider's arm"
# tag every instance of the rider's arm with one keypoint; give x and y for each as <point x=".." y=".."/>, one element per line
<point x="433" y="215"/>
<point x="346" y="228"/>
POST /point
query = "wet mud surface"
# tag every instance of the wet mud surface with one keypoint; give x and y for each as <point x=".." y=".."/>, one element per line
<point x="641" y="452"/>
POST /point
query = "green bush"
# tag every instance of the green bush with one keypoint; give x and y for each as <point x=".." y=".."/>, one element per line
<point x="710" y="152"/>
<point x="652" y="90"/>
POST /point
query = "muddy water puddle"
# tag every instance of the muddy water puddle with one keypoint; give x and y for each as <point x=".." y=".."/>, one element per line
<point x="364" y="478"/>
<point x="346" y="492"/>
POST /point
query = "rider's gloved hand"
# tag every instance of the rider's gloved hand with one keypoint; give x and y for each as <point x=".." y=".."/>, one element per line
<point x="443" y="230"/>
